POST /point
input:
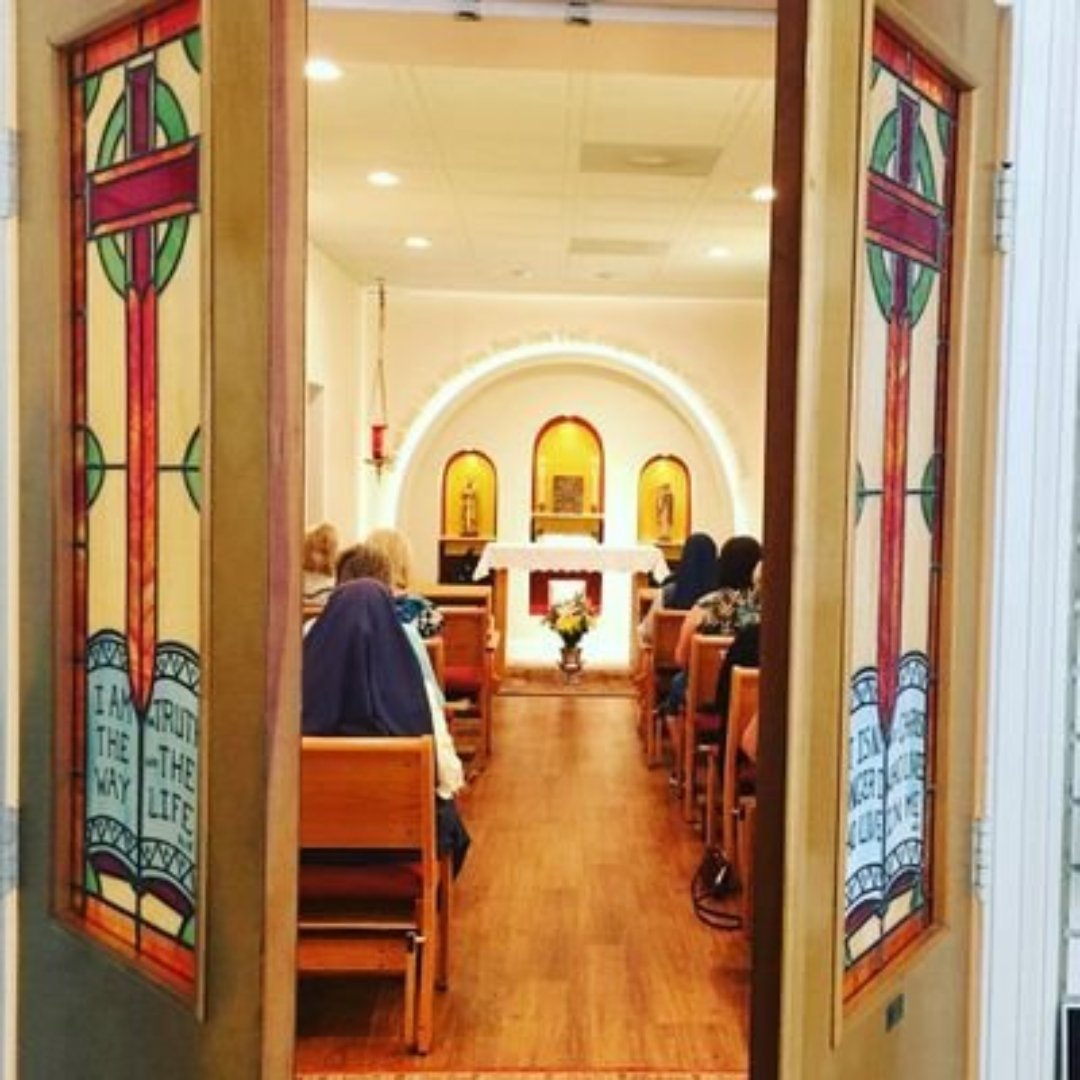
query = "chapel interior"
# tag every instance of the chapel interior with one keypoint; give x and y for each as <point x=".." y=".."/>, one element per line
<point x="536" y="317"/>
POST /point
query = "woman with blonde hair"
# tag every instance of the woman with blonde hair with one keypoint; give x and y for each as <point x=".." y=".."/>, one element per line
<point x="320" y="559"/>
<point x="411" y="608"/>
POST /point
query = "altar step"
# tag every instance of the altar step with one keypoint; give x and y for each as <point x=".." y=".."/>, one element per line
<point x="546" y="680"/>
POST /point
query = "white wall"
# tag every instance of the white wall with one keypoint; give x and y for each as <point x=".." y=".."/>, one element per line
<point x="717" y="347"/>
<point x="334" y="343"/>
<point x="502" y="419"/>
<point x="1033" y="752"/>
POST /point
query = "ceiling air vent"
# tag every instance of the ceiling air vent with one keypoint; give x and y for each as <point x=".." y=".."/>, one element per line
<point x="594" y="245"/>
<point x="648" y="159"/>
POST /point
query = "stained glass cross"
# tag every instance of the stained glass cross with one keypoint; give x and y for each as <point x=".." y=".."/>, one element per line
<point x="910" y="226"/>
<point x="131" y="197"/>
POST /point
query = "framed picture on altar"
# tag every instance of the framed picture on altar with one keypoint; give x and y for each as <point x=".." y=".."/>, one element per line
<point x="549" y="587"/>
<point x="568" y="494"/>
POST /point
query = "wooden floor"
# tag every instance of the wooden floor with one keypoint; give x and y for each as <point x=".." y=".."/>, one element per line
<point x="575" y="946"/>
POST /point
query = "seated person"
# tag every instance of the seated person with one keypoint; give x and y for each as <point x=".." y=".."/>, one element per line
<point x="365" y="561"/>
<point x="745" y="651"/>
<point x="410" y="607"/>
<point x="320" y="554"/>
<point x="695" y="576"/>
<point x="734" y="603"/>
<point x="361" y="677"/>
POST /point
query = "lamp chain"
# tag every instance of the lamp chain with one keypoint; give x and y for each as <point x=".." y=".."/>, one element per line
<point x="379" y="389"/>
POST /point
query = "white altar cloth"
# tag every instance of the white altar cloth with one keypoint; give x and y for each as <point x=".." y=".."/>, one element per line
<point x="525" y="639"/>
<point x="599" y="558"/>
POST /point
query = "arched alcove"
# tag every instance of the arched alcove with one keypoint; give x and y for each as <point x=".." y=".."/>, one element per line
<point x="732" y="478"/>
<point x="567" y="479"/>
<point x="469" y="512"/>
<point x="664" y="504"/>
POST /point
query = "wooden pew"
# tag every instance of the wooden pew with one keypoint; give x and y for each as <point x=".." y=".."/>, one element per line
<point x="707" y="652"/>
<point x="742" y="709"/>
<point x="372" y="795"/>
<point x="458" y="595"/>
<point x="643" y="601"/>
<point x="467" y="667"/>
<point x="737" y="798"/>
<point x="657" y="667"/>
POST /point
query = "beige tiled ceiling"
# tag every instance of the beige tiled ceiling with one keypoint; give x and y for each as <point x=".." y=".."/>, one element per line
<point x="541" y="157"/>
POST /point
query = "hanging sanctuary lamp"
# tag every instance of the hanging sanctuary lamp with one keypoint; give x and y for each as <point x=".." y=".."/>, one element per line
<point x="380" y="456"/>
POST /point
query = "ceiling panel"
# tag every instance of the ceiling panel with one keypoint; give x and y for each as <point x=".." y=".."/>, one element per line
<point x="497" y="164"/>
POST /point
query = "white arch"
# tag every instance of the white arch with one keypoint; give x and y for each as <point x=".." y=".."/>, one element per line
<point x="660" y="377"/>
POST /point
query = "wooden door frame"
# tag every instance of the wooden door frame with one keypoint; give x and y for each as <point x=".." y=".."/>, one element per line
<point x="8" y="576"/>
<point x="781" y="387"/>
<point x="801" y="673"/>
<point x="253" y="302"/>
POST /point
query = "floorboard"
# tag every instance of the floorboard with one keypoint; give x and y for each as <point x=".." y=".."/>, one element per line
<point x="575" y="946"/>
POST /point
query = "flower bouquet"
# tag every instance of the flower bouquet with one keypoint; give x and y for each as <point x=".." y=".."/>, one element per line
<point x="571" y="619"/>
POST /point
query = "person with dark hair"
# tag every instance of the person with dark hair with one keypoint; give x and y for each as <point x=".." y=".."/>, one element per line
<point x="695" y="576"/>
<point x="363" y="561"/>
<point x="733" y="603"/>
<point x="361" y="677"/>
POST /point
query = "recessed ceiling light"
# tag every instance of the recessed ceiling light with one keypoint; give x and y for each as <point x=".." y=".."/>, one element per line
<point x="718" y="251"/>
<point x="321" y="70"/>
<point x="418" y="243"/>
<point x="764" y="193"/>
<point x="383" y="178"/>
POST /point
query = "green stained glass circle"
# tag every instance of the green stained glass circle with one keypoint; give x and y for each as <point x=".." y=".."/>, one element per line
<point x="860" y="491"/>
<point x="172" y="237"/>
<point x="881" y="155"/>
<point x="91" y="89"/>
<point x="192" y="41"/>
<point x="187" y="931"/>
<point x="928" y="491"/>
<point x="95" y="466"/>
<point x="192" y="468"/>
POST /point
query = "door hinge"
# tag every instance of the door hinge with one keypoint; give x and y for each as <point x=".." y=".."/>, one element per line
<point x="9" y="173"/>
<point x="981" y="849"/>
<point x="1004" y="207"/>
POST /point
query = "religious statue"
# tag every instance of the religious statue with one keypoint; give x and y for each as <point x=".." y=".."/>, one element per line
<point x="470" y="509"/>
<point x="665" y="511"/>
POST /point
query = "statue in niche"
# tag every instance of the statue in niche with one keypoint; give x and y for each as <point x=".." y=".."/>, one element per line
<point x="470" y="509"/>
<point x="665" y="511"/>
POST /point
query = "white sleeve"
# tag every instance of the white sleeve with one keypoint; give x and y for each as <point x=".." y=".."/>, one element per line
<point x="449" y="772"/>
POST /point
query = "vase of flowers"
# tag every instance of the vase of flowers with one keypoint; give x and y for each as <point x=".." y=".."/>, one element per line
<point x="571" y="619"/>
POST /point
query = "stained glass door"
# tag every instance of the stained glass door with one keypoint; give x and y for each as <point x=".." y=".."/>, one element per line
<point x="888" y="534"/>
<point x="159" y="363"/>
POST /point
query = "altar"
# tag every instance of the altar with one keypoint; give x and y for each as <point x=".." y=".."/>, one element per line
<point x="622" y="570"/>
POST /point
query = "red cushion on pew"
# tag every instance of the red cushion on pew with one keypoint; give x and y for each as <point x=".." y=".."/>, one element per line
<point x="706" y="723"/>
<point x="464" y="680"/>
<point x="379" y="881"/>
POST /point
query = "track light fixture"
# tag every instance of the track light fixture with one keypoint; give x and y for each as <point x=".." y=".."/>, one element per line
<point x="579" y="12"/>
<point x="468" y="10"/>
